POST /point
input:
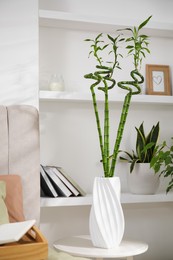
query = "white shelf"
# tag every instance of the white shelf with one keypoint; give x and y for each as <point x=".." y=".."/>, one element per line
<point x="51" y="18"/>
<point x="126" y="198"/>
<point x="71" y="201"/>
<point x="77" y="96"/>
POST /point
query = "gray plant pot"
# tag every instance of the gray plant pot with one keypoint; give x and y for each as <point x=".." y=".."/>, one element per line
<point x="143" y="180"/>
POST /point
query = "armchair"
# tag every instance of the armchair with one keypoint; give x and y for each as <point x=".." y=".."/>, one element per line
<point x="19" y="141"/>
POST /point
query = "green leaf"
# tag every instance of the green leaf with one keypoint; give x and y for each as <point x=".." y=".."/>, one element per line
<point x="129" y="47"/>
<point x="144" y="23"/>
<point x="153" y="161"/>
<point x="105" y="46"/>
<point x="157" y="168"/>
<point x="143" y="54"/>
<point x="146" y="49"/>
<point x="88" y="40"/>
<point x="130" y="51"/>
<point x="133" y="164"/>
<point x="122" y="39"/>
<point x="125" y="29"/>
<point x="90" y="53"/>
<point x="129" y="155"/>
<point x="167" y="160"/>
<point x="98" y="36"/>
<point x="148" y="146"/>
<point x="130" y="39"/>
<point x="143" y="36"/>
<point x="110" y="38"/>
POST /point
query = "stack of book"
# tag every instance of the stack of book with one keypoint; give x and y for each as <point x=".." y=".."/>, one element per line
<point x="55" y="182"/>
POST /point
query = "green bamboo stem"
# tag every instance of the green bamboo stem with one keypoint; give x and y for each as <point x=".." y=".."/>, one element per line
<point x="106" y="130"/>
<point x="92" y="88"/>
<point x="123" y="117"/>
<point x="98" y="126"/>
<point x="137" y="47"/>
<point x="125" y="85"/>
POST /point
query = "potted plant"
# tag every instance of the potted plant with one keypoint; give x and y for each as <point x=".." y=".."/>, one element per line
<point x="142" y="179"/>
<point x="162" y="162"/>
<point x="104" y="81"/>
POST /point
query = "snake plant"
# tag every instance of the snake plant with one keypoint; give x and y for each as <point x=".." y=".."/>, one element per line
<point x="103" y="77"/>
<point x="145" y="146"/>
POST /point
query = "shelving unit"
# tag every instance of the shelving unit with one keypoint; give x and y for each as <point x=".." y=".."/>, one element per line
<point x="67" y="20"/>
<point x="74" y="21"/>
<point x="126" y="198"/>
<point x="77" y="96"/>
<point x="68" y="132"/>
<point x="96" y="23"/>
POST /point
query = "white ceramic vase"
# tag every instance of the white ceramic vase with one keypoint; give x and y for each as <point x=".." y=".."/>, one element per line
<point x="143" y="180"/>
<point x="106" y="221"/>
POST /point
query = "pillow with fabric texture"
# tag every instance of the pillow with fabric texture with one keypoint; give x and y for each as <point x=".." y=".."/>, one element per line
<point x="3" y="209"/>
<point x="14" y="197"/>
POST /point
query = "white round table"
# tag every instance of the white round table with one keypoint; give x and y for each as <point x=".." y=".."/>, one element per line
<point x="82" y="246"/>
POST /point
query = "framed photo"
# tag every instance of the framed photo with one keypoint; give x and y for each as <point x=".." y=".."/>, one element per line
<point x="158" y="80"/>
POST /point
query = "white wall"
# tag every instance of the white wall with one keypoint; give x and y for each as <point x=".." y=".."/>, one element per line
<point x="19" y="52"/>
<point x="68" y="131"/>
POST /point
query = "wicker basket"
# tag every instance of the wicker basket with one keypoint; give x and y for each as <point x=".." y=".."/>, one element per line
<point x="32" y="246"/>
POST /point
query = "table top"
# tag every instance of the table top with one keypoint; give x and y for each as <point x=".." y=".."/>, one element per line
<point x="82" y="246"/>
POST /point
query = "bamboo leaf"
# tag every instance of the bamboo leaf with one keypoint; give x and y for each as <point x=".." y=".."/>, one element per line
<point x="143" y="54"/>
<point x="129" y="39"/>
<point x="110" y="37"/>
<point x="98" y="36"/>
<point x="104" y="46"/>
<point x="143" y="36"/>
<point x="144" y="23"/>
<point x="88" y="40"/>
<point x="130" y="47"/>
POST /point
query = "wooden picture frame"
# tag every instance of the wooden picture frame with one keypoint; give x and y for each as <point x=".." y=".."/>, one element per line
<point x="158" y="80"/>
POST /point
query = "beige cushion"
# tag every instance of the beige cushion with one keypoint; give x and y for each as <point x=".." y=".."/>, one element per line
<point x="14" y="197"/>
<point x="3" y="209"/>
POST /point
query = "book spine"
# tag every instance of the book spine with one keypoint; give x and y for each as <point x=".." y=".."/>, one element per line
<point x="46" y="185"/>
<point x="81" y="191"/>
<point x="57" y="183"/>
<point x="66" y="181"/>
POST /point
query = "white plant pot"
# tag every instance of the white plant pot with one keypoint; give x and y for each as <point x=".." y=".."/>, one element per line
<point x="143" y="180"/>
<point x="106" y="221"/>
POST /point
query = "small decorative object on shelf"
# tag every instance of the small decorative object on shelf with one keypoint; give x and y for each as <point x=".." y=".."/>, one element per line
<point x="55" y="182"/>
<point x="104" y="82"/>
<point x="158" y="80"/>
<point x="56" y="83"/>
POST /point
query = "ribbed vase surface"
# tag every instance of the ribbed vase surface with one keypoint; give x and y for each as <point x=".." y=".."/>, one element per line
<point x="106" y="217"/>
